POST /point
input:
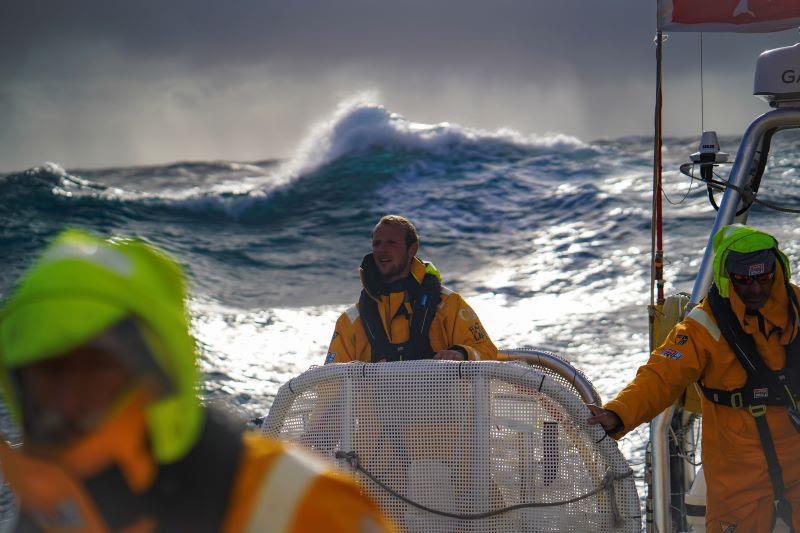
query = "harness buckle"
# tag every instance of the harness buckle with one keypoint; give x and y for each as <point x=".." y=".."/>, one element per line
<point x="783" y="513"/>
<point x="736" y="400"/>
<point x="757" y="410"/>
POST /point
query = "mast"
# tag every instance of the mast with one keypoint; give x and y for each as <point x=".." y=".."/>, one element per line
<point x="657" y="240"/>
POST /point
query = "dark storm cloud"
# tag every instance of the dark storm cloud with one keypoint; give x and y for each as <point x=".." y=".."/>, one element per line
<point x="499" y="35"/>
<point x="103" y="82"/>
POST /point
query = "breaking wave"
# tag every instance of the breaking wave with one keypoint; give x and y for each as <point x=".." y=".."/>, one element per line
<point x="359" y="149"/>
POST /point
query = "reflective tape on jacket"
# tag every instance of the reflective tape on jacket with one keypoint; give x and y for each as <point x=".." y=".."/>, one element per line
<point x="283" y="489"/>
<point x="699" y="315"/>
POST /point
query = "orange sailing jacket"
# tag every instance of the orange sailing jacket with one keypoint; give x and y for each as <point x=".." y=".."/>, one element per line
<point x="110" y="483"/>
<point x="733" y="459"/>
<point x="282" y="488"/>
<point x="455" y="324"/>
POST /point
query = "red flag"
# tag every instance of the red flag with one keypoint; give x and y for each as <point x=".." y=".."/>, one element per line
<point x="728" y="15"/>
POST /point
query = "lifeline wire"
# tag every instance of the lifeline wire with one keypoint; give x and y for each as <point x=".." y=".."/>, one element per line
<point x="685" y="196"/>
<point x="606" y="484"/>
<point x="392" y="415"/>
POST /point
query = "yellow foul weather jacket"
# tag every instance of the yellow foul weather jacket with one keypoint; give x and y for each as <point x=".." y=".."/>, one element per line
<point x="455" y="324"/>
<point x="695" y="350"/>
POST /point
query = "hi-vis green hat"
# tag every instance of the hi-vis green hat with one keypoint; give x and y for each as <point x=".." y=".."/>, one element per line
<point x="741" y="239"/>
<point x="83" y="285"/>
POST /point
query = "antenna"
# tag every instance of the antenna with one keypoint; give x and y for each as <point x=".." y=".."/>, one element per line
<point x="702" y="92"/>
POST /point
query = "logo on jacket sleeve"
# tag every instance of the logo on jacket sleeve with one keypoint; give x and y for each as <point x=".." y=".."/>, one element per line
<point x="330" y="358"/>
<point x="478" y="333"/>
<point x="466" y="314"/>
<point x="671" y="353"/>
<point x="680" y="340"/>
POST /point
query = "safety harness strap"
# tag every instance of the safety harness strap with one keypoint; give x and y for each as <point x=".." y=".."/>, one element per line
<point x="743" y="397"/>
<point x="783" y="509"/>
<point x="760" y="382"/>
<point x="423" y="308"/>
<point x="763" y="386"/>
<point x="380" y="346"/>
<point x="424" y="299"/>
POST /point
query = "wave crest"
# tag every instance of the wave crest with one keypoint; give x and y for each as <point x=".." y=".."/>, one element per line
<point x="359" y="126"/>
<point x="361" y="147"/>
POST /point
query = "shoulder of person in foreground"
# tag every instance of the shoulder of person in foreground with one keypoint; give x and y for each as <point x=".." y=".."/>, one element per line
<point x="283" y="488"/>
<point x="464" y="328"/>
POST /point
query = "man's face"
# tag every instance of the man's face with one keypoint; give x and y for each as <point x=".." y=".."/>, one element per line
<point x="69" y="396"/>
<point x="391" y="254"/>
<point x="753" y="290"/>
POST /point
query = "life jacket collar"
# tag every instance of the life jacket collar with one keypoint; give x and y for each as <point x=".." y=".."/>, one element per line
<point x="374" y="286"/>
<point x="422" y="295"/>
<point x="777" y="314"/>
<point x="120" y="440"/>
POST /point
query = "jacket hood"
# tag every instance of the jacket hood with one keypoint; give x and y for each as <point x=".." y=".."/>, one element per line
<point x="776" y="310"/>
<point x="83" y="285"/>
<point x="742" y="239"/>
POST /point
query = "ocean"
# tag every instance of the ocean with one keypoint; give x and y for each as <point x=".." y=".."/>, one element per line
<point x="547" y="236"/>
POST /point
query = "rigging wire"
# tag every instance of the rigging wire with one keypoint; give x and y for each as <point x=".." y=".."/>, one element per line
<point x="702" y="92"/>
<point x="720" y="184"/>
<point x="682" y="453"/>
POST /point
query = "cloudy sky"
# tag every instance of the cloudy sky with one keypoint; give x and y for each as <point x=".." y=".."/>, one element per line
<point x="93" y="83"/>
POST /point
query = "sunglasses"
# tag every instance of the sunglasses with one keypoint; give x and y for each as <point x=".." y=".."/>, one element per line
<point x="763" y="279"/>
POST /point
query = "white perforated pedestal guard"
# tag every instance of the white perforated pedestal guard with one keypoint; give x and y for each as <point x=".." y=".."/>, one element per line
<point x="463" y="438"/>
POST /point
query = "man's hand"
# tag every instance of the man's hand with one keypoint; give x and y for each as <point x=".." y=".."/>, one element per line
<point x="608" y="419"/>
<point x="449" y="355"/>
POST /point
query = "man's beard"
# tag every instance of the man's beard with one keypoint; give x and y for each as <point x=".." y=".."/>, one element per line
<point x="396" y="271"/>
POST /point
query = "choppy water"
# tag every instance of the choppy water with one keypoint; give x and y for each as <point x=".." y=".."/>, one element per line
<point x="547" y="237"/>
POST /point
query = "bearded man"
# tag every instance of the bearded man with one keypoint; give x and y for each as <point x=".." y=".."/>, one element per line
<point x="404" y="312"/>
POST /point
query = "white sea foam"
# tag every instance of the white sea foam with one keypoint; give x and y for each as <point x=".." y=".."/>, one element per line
<point x="359" y="124"/>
